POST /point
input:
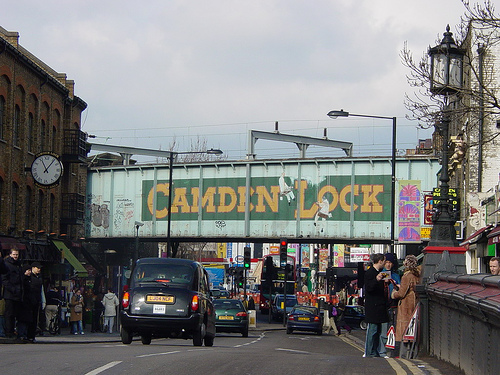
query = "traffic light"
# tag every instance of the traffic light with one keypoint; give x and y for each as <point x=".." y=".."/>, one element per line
<point x="269" y="264"/>
<point x="316" y="258"/>
<point x="330" y="275"/>
<point x="289" y="272"/>
<point x="247" y="259"/>
<point x="239" y="277"/>
<point x="283" y="252"/>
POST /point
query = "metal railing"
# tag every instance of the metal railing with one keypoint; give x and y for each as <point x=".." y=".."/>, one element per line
<point x="461" y="321"/>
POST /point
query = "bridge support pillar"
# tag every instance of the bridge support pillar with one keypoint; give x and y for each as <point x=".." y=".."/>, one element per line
<point x="436" y="259"/>
<point x="442" y="259"/>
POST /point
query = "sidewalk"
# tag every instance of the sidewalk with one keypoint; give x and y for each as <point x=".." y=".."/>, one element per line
<point x="66" y="337"/>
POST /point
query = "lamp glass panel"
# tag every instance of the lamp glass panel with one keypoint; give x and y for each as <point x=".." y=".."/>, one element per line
<point x="455" y="72"/>
<point x="439" y="73"/>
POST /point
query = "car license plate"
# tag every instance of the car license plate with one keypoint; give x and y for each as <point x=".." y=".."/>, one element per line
<point x="159" y="299"/>
<point x="226" y="317"/>
<point x="303" y="318"/>
<point x="159" y="309"/>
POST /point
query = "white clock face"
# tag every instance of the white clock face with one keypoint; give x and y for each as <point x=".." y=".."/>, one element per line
<point x="46" y="169"/>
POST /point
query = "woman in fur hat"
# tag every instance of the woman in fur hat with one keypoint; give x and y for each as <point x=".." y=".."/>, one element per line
<point x="407" y="297"/>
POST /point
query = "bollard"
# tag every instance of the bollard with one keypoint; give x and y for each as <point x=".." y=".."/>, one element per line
<point x="252" y="319"/>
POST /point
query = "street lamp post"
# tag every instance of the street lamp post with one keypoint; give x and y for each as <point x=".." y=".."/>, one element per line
<point x="171" y="157"/>
<point x="446" y="79"/>
<point x="334" y="114"/>
<point x="107" y="253"/>
<point x="137" y="225"/>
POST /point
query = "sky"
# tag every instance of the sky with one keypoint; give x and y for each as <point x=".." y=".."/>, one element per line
<point x="159" y="73"/>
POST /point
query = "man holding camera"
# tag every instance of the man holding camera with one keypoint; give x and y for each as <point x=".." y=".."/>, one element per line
<point x="375" y="306"/>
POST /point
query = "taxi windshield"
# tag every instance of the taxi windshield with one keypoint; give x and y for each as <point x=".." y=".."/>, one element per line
<point x="163" y="273"/>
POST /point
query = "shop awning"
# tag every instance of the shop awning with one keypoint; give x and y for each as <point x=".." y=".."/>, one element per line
<point x="494" y="235"/>
<point x="476" y="236"/>
<point x="7" y="243"/>
<point x="70" y="257"/>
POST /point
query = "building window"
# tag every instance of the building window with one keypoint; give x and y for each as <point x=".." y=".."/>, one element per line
<point x="31" y="121"/>
<point x="17" y="126"/>
<point x="54" y="139"/>
<point x="2" y="116"/>
<point x="51" y="213"/>
<point x="42" y="136"/>
<point x="40" y="210"/>
<point x="1" y="203"/>
<point x="55" y="128"/>
<point x="14" y="208"/>
<point x="27" y="208"/>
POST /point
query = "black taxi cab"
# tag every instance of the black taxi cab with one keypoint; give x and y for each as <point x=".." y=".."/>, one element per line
<point x="168" y="298"/>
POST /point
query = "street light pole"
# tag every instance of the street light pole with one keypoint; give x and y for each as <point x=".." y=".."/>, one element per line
<point x="446" y="78"/>
<point x="137" y="224"/>
<point x="170" y="190"/>
<point x="334" y="114"/>
<point x="443" y="231"/>
<point x="171" y="157"/>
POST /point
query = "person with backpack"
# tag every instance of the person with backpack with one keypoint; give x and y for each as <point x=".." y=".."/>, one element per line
<point x="332" y="314"/>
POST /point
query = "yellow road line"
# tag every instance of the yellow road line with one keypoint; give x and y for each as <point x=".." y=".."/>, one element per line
<point x="397" y="367"/>
<point x="413" y="367"/>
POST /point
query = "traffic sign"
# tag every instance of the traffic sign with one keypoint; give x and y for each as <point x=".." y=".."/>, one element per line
<point x="411" y="330"/>
<point x="391" y="338"/>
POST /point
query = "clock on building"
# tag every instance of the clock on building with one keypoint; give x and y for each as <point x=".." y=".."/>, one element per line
<point x="46" y="169"/>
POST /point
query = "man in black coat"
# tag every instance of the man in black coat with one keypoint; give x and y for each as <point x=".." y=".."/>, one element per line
<point x="375" y="305"/>
<point x="12" y="291"/>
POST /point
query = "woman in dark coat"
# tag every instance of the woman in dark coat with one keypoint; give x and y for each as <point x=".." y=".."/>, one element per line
<point x="25" y="315"/>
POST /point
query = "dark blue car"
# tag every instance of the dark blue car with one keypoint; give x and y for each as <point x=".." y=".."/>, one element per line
<point x="304" y="318"/>
<point x="354" y="316"/>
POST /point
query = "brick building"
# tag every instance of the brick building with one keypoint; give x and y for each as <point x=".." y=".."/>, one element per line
<point x="475" y="146"/>
<point x="38" y="113"/>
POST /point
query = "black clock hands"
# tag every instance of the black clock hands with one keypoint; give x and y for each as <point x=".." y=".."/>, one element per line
<point x="47" y="168"/>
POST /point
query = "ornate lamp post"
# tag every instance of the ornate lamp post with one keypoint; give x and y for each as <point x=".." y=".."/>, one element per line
<point x="446" y="77"/>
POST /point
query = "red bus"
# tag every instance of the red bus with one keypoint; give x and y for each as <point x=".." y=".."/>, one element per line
<point x="269" y="288"/>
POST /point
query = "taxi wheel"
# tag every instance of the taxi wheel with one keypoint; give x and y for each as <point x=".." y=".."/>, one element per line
<point x="198" y="335"/>
<point x="363" y="325"/>
<point x="126" y="336"/>
<point x="146" y="339"/>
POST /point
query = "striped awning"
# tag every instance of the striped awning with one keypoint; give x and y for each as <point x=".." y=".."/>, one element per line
<point x="494" y="235"/>
<point x="476" y="236"/>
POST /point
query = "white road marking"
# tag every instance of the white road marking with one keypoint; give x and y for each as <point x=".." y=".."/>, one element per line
<point x="251" y="342"/>
<point x="103" y="368"/>
<point x="293" y="351"/>
<point x="155" y="354"/>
